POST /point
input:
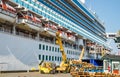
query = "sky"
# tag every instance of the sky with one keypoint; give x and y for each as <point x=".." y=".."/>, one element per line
<point x="109" y="12"/>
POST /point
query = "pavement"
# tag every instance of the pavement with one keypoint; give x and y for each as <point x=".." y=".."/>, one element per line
<point x="33" y="74"/>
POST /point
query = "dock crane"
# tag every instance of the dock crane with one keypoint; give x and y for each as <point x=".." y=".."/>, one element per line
<point x="64" y="65"/>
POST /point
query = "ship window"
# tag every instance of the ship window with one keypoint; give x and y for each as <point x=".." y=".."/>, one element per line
<point x="40" y="46"/>
<point x="46" y="47"/>
<point x="58" y="58"/>
<point x="53" y="49"/>
<point x="55" y="58"/>
<point x="49" y="48"/>
<point x="46" y="57"/>
<point x="43" y="47"/>
<point x="52" y="58"/>
<point x="58" y="49"/>
<point x="42" y="57"/>
<point x="39" y="57"/>
<point x="67" y="51"/>
<point x="49" y="58"/>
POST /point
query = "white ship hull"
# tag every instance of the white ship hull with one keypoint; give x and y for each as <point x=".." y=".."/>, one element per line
<point x="20" y="53"/>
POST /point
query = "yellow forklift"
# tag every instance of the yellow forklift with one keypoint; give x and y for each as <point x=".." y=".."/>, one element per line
<point x="47" y="67"/>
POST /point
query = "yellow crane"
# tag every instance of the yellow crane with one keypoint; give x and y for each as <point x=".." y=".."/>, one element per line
<point x="81" y="55"/>
<point x="64" y="65"/>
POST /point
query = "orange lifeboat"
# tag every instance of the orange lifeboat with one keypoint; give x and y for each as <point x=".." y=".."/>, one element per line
<point x="8" y="13"/>
<point x="11" y="9"/>
<point x="37" y="20"/>
<point x="50" y="29"/>
<point x="53" y="27"/>
<point x="31" y="21"/>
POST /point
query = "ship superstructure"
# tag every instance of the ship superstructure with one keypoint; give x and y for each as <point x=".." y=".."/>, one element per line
<point x="28" y="30"/>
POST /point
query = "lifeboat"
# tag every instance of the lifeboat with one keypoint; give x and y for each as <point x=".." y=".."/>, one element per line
<point x="50" y="29"/>
<point x="63" y="34"/>
<point x="31" y="21"/>
<point x="7" y="12"/>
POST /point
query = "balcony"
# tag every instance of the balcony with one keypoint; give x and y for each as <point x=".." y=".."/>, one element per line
<point x="7" y="14"/>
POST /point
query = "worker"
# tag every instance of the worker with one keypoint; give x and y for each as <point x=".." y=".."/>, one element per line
<point x="109" y="69"/>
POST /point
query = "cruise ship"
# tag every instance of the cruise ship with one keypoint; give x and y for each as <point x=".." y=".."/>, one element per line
<point x="28" y="27"/>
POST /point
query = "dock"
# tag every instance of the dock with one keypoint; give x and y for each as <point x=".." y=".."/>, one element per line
<point x="33" y="74"/>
